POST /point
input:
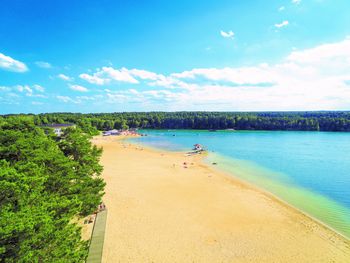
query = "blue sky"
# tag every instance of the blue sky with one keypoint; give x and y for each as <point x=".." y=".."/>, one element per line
<point x="105" y="56"/>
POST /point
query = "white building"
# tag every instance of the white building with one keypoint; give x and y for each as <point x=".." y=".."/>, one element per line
<point x="58" y="128"/>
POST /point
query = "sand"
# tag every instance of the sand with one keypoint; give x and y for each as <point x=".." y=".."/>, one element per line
<point x="159" y="211"/>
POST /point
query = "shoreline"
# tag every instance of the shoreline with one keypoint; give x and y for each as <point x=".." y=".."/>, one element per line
<point x="249" y="184"/>
<point x="304" y="223"/>
<point x="282" y="201"/>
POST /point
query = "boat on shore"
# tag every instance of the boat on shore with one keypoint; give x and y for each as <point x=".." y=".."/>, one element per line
<point x="197" y="149"/>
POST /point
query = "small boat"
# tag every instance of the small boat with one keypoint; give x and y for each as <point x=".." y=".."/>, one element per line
<point x="197" y="147"/>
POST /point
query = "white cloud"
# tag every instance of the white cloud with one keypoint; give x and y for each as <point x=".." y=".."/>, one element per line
<point x="25" y="88"/>
<point x="67" y="99"/>
<point x="238" y="76"/>
<point x="29" y="91"/>
<point x="144" y="74"/>
<point x="296" y="2"/>
<point x="312" y="79"/>
<point x="170" y="82"/>
<point x="282" y="24"/>
<point x="165" y="95"/>
<point x="43" y="64"/>
<point x="64" y="98"/>
<point x="64" y="77"/>
<point x="94" y="79"/>
<point x="148" y="97"/>
<point x="133" y="91"/>
<point x="38" y="96"/>
<point x="108" y="74"/>
<point x="10" y="98"/>
<point x="11" y="64"/>
<point x="282" y="8"/>
<point x="229" y="34"/>
<point x="90" y="98"/>
<point x="38" y="88"/>
<point x="78" y="88"/>
<point x="37" y="103"/>
<point x="122" y="75"/>
<point x="333" y="52"/>
<point x="117" y="98"/>
<point x="4" y="88"/>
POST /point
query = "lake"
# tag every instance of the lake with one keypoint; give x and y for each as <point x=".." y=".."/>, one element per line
<point x="308" y="170"/>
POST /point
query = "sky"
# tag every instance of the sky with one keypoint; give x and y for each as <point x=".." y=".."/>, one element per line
<point x="219" y="55"/>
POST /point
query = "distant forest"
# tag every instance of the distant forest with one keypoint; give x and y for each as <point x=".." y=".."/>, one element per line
<point x="293" y="121"/>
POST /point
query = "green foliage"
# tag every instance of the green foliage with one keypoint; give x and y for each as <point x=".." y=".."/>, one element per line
<point x="45" y="183"/>
<point x="85" y="157"/>
<point x="297" y="121"/>
<point x="86" y="127"/>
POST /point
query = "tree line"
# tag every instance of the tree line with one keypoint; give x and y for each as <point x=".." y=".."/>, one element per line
<point x="294" y="121"/>
<point x="46" y="183"/>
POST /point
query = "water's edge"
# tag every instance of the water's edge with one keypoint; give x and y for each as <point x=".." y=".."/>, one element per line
<point x="239" y="175"/>
<point x="219" y="168"/>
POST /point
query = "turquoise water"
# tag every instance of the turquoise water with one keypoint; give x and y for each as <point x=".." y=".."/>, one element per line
<point x="309" y="170"/>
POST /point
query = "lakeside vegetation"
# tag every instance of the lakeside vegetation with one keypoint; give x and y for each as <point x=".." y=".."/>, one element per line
<point x="47" y="183"/>
<point x="294" y="121"/>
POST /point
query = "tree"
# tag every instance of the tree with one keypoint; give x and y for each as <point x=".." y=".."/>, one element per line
<point x="323" y="121"/>
<point x="42" y="190"/>
<point x="87" y="186"/>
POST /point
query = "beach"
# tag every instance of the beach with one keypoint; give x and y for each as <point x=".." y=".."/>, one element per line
<point x="169" y="207"/>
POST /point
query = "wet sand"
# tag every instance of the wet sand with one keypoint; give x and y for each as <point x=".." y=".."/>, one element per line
<point x="160" y="211"/>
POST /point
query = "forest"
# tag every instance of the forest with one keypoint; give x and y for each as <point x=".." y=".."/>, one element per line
<point x="47" y="183"/>
<point x="293" y="121"/>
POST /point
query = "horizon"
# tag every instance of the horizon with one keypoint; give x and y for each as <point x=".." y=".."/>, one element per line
<point x="222" y="56"/>
<point x="179" y="111"/>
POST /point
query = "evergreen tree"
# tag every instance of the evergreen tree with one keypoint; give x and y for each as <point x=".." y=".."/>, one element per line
<point x="44" y="185"/>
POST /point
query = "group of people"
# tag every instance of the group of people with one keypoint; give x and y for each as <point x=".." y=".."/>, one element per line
<point x="101" y="207"/>
<point x="91" y="218"/>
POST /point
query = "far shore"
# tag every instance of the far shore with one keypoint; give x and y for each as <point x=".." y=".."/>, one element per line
<point x="172" y="207"/>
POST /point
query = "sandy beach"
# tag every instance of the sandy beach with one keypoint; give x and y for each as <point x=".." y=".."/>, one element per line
<point x="160" y="211"/>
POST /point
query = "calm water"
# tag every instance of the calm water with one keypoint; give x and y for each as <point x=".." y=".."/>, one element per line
<point x="309" y="170"/>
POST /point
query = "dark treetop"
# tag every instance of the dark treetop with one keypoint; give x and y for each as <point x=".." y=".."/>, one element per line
<point x="297" y="121"/>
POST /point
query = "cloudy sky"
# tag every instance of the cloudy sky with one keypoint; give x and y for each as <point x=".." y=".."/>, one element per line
<point x="224" y="55"/>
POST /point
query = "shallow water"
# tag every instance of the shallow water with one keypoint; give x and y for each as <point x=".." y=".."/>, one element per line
<point x="309" y="170"/>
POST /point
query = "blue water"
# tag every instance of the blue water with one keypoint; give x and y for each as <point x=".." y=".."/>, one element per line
<point x="309" y="170"/>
